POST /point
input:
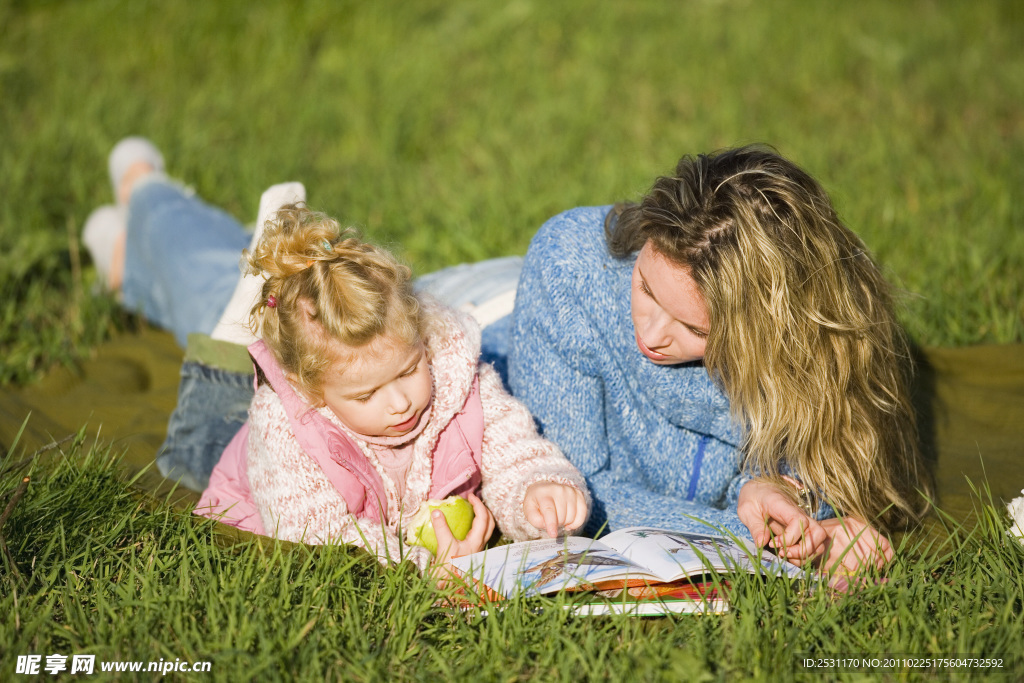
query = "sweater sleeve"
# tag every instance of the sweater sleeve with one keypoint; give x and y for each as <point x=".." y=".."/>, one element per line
<point x="627" y="503"/>
<point x="577" y="423"/>
<point x="515" y="457"/>
<point x="564" y="397"/>
<point x="296" y="500"/>
<point x="557" y="369"/>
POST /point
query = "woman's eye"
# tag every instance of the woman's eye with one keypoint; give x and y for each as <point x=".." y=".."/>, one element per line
<point x="645" y="290"/>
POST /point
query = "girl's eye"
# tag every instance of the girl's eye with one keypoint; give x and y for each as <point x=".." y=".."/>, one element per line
<point x="363" y="399"/>
<point x="645" y="290"/>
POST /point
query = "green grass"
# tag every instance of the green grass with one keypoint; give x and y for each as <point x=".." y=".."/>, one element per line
<point x="452" y="130"/>
<point x="99" y="569"/>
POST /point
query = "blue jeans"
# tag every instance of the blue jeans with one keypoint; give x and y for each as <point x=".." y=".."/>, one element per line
<point x="213" y="404"/>
<point x="181" y="258"/>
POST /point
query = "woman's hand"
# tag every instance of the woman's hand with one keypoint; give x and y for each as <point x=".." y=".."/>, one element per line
<point x="550" y="506"/>
<point x="854" y="546"/>
<point x="774" y="520"/>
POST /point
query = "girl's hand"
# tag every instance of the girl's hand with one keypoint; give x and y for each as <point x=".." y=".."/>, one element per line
<point x="448" y="546"/>
<point x="774" y="520"/>
<point x="854" y="546"/>
<point x="549" y="506"/>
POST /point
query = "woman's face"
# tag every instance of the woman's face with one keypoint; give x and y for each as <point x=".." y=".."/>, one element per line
<point x="669" y="315"/>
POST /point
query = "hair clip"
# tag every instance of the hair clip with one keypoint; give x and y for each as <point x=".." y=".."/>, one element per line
<point x="327" y="245"/>
<point x="271" y="301"/>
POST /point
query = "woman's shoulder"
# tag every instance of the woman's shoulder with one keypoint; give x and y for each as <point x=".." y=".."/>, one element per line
<point x="569" y="260"/>
<point x="573" y="237"/>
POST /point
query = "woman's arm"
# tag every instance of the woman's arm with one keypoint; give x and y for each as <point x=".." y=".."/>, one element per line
<point x="556" y="371"/>
<point x="296" y="500"/>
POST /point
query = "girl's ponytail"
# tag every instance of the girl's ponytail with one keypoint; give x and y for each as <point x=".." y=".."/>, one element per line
<point x="325" y="286"/>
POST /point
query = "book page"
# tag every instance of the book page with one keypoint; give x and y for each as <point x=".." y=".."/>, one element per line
<point x="681" y="597"/>
<point x="674" y="554"/>
<point x="546" y="566"/>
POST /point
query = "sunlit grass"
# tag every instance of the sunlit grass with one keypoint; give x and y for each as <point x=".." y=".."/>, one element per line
<point x="453" y="130"/>
<point x="101" y="569"/>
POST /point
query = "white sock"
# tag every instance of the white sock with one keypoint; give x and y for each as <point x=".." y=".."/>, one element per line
<point x="233" y="325"/>
<point x="127" y="152"/>
<point x="104" y="227"/>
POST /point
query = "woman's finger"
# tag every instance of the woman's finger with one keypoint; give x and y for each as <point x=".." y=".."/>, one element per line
<point x="805" y="538"/>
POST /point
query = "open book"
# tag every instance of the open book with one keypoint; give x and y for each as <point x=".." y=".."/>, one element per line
<point x="638" y="570"/>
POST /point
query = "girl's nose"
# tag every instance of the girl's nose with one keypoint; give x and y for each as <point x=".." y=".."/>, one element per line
<point x="399" y="402"/>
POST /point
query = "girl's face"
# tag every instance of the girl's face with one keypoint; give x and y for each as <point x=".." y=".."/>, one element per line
<point x="670" y="318"/>
<point x="382" y="390"/>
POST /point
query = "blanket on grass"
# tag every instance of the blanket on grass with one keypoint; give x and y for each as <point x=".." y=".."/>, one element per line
<point x="970" y="405"/>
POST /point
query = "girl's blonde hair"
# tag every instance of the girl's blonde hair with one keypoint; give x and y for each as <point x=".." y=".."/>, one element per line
<point x="803" y="335"/>
<point x="325" y="286"/>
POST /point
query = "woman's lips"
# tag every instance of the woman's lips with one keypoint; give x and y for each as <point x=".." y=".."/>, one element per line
<point x="653" y="355"/>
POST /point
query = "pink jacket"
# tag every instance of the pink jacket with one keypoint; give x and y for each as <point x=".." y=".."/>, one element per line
<point x="297" y="473"/>
<point x="456" y="468"/>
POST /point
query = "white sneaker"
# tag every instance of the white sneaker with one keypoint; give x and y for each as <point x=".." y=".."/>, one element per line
<point x="104" y="229"/>
<point x="127" y="152"/>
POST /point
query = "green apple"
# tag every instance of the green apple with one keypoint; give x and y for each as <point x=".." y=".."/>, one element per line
<point x="457" y="510"/>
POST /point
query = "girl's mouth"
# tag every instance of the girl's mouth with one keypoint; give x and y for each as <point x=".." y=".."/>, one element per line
<point x="408" y="424"/>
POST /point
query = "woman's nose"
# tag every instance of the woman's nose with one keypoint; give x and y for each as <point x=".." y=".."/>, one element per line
<point x="655" y="332"/>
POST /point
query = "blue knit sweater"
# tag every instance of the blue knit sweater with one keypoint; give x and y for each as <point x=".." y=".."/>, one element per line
<point x="655" y="443"/>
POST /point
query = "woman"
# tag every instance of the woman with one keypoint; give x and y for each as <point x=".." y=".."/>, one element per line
<point x="724" y="349"/>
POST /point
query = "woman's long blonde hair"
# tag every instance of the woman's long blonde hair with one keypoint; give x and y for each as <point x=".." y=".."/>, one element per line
<point x="323" y="286"/>
<point x="803" y="336"/>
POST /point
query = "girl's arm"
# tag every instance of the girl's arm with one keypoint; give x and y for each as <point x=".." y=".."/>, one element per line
<point x="296" y="500"/>
<point x="515" y="457"/>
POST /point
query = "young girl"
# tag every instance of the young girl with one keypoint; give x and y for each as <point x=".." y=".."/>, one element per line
<point x="371" y="401"/>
